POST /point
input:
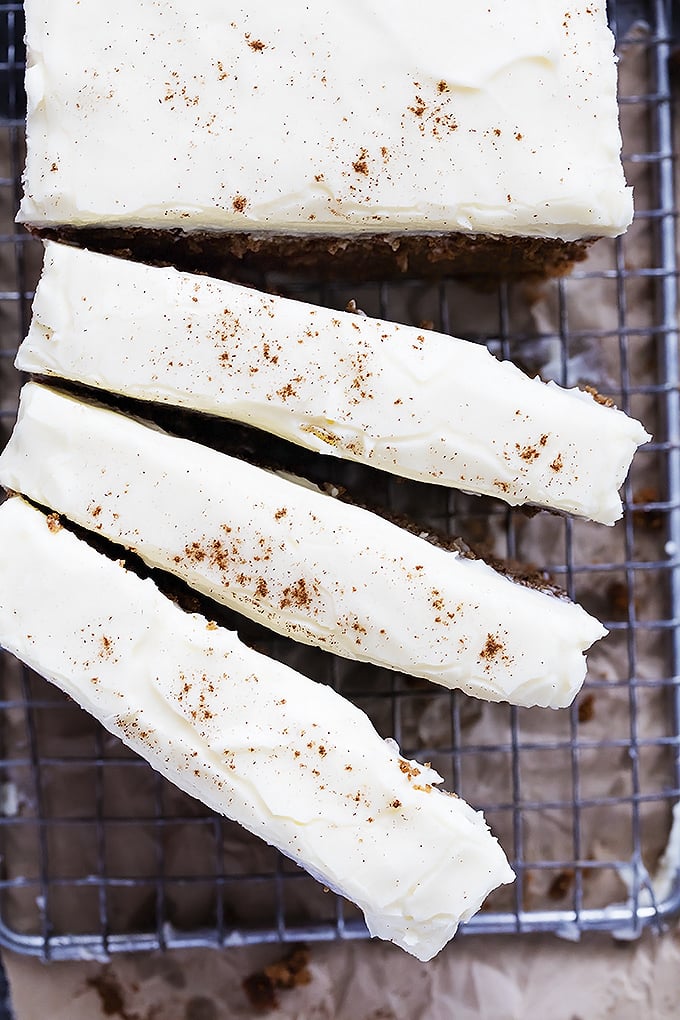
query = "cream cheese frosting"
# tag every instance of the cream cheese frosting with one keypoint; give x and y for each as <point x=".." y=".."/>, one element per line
<point x="409" y="401"/>
<point x="321" y="117"/>
<point x="288" y="758"/>
<point x="293" y="558"/>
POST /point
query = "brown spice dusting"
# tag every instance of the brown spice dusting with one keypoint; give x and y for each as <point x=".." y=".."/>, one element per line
<point x="492" y="648"/>
<point x="261" y="588"/>
<point x="239" y="203"/>
<point x="419" y="107"/>
<point x="194" y="553"/>
<point x="211" y="625"/>
<point x="360" y="165"/>
<point x="586" y="708"/>
<point x="442" y="86"/>
<point x="107" y="647"/>
<point x="296" y="595"/>
<point x="54" y="523"/>
<point x="281" y="512"/>
<point x="256" y="44"/>
<point x="527" y="453"/>
<point x="286" y="391"/>
<point x="598" y="398"/>
<point x="95" y="511"/>
<point x="557" y="464"/>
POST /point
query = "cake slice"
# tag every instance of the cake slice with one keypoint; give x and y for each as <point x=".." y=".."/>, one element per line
<point x="356" y="139"/>
<point x="409" y="401"/>
<point x="293" y="558"/>
<point x="288" y="758"/>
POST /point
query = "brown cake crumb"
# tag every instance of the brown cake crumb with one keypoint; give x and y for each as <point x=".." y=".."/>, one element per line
<point x="618" y="596"/>
<point x="561" y="884"/>
<point x="651" y="520"/>
<point x="244" y="255"/>
<point x="290" y="972"/>
<point x="409" y="770"/>
<point x="586" y="708"/>
<point x="598" y="398"/>
<point x="54" y="523"/>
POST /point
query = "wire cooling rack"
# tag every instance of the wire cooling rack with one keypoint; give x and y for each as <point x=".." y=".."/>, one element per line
<point x="100" y="855"/>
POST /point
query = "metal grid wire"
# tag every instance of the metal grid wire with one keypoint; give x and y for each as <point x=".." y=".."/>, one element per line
<point x="99" y="854"/>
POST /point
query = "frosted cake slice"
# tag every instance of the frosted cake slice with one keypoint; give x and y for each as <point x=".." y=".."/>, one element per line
<point x="302" y="563"/>
<point x="286" y="757"/>
<point x="409" y="401"/>
<point x="356" y="138"/>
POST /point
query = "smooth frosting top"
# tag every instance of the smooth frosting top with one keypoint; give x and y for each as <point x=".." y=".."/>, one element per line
<point x="296" y="560"/>
<point x="288" y="758"/>
<point x="409" y="401"/>
<point x="365" y="115"/>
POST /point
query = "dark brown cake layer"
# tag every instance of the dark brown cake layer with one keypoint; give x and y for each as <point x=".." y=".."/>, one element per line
<point x="352" y="258"/>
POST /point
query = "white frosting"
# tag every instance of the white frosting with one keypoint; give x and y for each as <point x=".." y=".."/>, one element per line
<point x="288" y="758"/>
<point x="295" y="559"/>
<point x="409" y="401"/>
<point x="324" y="116"/>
